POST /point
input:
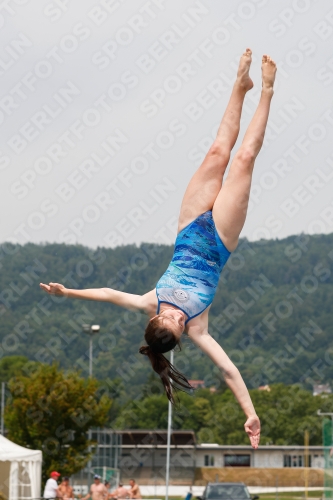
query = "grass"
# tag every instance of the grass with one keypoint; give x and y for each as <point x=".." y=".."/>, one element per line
<point x="294" y="494"/>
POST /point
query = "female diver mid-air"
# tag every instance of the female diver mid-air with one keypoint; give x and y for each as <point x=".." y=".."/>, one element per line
<point x="211" y="218"/>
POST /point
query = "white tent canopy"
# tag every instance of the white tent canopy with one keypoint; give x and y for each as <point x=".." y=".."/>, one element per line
<point x="20" y="471"/>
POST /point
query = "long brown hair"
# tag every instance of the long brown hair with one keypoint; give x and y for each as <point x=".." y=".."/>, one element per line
<point x="160" y="340"/>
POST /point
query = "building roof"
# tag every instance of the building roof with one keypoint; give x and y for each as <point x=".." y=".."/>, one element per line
<point x="147" y="438"/>
<point x="156" y="437"/>
<point x="271" y="447"/>
<point x="264" y="388"/>
<point x="321" y="389"/>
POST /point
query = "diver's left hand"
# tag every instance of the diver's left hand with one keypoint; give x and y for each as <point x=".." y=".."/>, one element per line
<point x="252" y="428"/>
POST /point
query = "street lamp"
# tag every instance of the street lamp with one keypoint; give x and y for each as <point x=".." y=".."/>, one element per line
<point x="328" y="414"/>
<point x="91" y="330"/>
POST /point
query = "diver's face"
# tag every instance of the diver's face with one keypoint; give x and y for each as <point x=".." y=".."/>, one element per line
<point x="174" y="320"/>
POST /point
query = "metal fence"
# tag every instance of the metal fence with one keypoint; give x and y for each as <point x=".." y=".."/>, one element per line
<point x="105" y="461"/>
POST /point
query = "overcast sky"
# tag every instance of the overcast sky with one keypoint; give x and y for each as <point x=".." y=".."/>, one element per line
<point x="108" y="107"/>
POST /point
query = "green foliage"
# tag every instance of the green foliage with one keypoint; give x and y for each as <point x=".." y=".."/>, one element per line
<point x="11" y="366"/>
<point x="272" y="312"/>
<point x="285" y="413"/>
<point x="52" y="410"/>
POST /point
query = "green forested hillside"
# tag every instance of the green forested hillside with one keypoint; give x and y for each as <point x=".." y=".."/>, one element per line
<point x="272" y="312"/>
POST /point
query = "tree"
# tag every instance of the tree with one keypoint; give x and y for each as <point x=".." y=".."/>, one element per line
<point x="286" y="412"/>
<point x="11" y="366"/>
<point x="151" y="412"/>
<point x="52" y="411"/>
<point x="289" y="282"/>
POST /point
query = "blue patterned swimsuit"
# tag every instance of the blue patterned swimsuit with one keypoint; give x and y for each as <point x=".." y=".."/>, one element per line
<point x="192" y="276"/>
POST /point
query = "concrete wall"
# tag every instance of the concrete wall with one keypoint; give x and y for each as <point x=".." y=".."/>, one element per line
<point x="200" y="457"/>
<point x="149" y="457"/>
<point x="268" y="459"/>
<point x="258" y="458"/>
<point x="261" y="477"/>
<point x="148" y="463"/>
<point x="263" y="457"/>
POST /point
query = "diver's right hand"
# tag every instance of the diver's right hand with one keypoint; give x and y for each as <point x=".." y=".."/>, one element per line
<point x="252" y="428"/>
<point x="54" y="289"/>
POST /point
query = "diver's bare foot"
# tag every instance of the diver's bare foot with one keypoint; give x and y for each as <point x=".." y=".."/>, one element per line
<point x="268" y="68"/>
<point x="243" y="78"/>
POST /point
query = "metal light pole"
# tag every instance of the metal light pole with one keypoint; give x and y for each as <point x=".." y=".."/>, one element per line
<point x="167" y="475"/>
<point x="306" y="462"/>
<point x="3" y="385"/>
<point x="323" y="414"/>
<point x="91" y="330"/>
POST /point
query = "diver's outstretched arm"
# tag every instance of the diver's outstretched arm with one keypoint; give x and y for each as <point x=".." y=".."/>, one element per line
<point x="233" y="378"/>
<point x="127" y="300"/>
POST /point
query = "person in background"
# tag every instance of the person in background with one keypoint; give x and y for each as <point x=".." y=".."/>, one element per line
<point x="65" y="491"/>
<point x="51" y="485"/>
<point x="134" y="492"/>
<point x="98" y="490"/>
<point x="120" y="492"/>
<point x="189" y="494"/>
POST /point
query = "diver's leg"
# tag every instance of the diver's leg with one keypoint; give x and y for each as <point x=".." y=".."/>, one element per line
<point x="230" y="207"/>
<point x="206" y="183"/>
